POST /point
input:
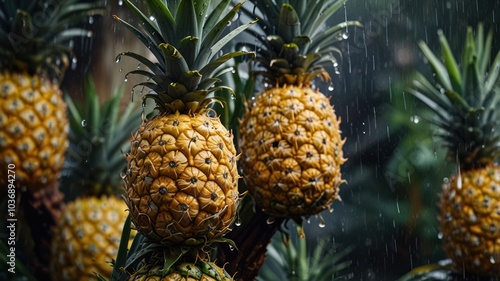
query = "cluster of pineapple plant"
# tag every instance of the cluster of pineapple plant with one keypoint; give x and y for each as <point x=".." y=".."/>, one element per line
<point x="181" y="179"/>
<point x="34" y="55"/>
<point x="465" y="98"/>
<point x="33" y="59"/>
<point x="87" y="236"/>
<point x="289" y="136"/>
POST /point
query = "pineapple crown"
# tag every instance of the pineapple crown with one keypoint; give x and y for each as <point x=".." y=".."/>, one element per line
<point x="464" y="99"/>
<point x="97" y="134"/>
<point x="301" y="44"/>
<point x="153" y="258"/>
<point x="35" y="34"/>
<point x="186" y="37"/>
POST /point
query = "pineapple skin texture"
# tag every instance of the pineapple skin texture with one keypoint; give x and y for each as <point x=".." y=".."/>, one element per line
<point x="33" y="130"/>
<point x="292" y="151"/>
<point x="181" y="180"/>
<point x="87" y="238"/>
<point x="187" y="271"/>
<point x="470" y="220"/>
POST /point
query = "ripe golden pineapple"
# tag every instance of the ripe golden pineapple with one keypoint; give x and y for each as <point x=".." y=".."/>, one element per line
<point x="181" y="178"/>
<point x="86" y="238"/>
<point x="465" y="100"/>
<point x="290" y="137"/>
<point x="33" y="59"/>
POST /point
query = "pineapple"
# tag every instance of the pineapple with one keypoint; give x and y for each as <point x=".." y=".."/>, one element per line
<point x="187" y="271"/>
<point x="181" y="178"/>
<point x="33" y="59"/>
<point x="465" y="101"/>
<point x="148" y="260"/>
<point x="87" y="236"/>
<point x="290" y="138"/>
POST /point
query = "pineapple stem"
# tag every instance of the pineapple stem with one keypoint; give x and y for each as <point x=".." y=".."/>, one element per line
<point x="251" y="241"/>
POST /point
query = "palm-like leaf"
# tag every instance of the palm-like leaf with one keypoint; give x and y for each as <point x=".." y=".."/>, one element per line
<point x="299" y="32"/>
<point x="464" y="99"/>
<point x="186" y="38"/>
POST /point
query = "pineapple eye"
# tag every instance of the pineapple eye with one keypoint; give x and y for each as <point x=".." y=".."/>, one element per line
<point x="5" y="89"/>
<point x="172" y="164"/>
<point x="183" y="207"/>
<point x="486" y="203"/>
<point x="176" y="122"/>
<point x="194" y="180"/>
<point x="162" y="191"/>
<point x="208" y="160"/>
<point x="214" y="196"/>
<point x="493" y="228"/>
<point x="161" y="142"/>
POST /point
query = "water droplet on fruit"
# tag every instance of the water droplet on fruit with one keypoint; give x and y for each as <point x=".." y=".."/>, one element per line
<point x="118" y="58"/>
<point x="238" y="219"/>
<point x="270" y="220"/>
<point x="73" y="63"/>
<point x="84" y="123"/>
<point x="492" y="259"/>
<point x="91" y="20"/>
<point x="440" y="235"/>
<point x="331" y="87"/>
<point x="120" y="2"/>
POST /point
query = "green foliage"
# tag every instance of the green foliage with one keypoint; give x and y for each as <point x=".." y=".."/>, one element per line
<point x="464" y="100"/>
<point x="300" y="260"/>
<point x="99" y="132"/>
<point x="186" y="39"/>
